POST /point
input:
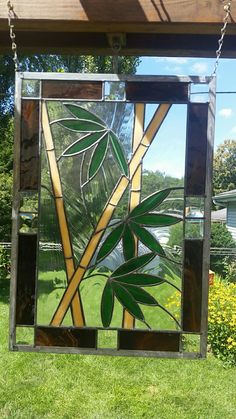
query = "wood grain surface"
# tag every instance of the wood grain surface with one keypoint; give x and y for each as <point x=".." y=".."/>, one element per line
<point x="80" y="26"/>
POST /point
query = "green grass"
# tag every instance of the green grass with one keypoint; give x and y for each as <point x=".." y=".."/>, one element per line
<point x="51" y="287"/>
<point x="34" y="386"/>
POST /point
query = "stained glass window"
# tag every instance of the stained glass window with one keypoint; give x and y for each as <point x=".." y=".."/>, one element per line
<point x="104" y="261"/>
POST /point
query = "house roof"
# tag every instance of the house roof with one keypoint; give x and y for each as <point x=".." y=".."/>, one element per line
<point x="219" y="215"/>
<point x="225" y="197"/>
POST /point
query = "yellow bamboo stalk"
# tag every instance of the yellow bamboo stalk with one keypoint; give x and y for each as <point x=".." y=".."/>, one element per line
<point x="77" y="312"/>
<point x="105" y="218"/>
<point x="135" y="193"/>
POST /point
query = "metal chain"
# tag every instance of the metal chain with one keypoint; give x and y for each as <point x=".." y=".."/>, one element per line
<point x="227" y="9"/>
<point x="12" y="34"/>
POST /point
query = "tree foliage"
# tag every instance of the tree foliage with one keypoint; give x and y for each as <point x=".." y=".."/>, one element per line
<point x="6" y="165"/>
<point x="6" y="144"/>
<point x="224" y="173"/>
<point x="154" y="181"/>
<point x="5" y="206"/>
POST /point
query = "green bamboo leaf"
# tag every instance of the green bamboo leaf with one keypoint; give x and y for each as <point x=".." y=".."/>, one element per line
<point x="80" y="125"/>
<point x="107" y="304"/>
<point x="98" y="157"/>
<point x="133" y="264"/>
<point x="147" y="239"/>
<point x="119" y="154"/>
<point x="150" y="203"/>
<point x="128" y="243"/>
<point x="141" y="296"/>
<point x="110" y="242"/>
<point x="127" y="301"/>
<point x="82" y="113"/>
<point x="143" y="280"/>
<point x="82" y="144"/>
<point x="156" y="220"/>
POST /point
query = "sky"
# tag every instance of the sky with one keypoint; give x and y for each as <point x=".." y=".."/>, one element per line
<point x="167" y="153"/>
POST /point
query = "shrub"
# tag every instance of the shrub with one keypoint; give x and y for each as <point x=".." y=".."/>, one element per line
<point x="221" y="237"/>
<point x="4" y="263"/>
<point x="222" y="321"/>
<point x="230" y="271"/>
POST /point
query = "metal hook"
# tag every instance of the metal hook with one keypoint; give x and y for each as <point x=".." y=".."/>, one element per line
<point x="116" y="41"/>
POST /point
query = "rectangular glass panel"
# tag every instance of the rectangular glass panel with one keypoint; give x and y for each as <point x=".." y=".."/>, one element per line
<point x="72" y="89"/>
<point x="199" y="93"/>
<point x="26" y="279"/>
<point x="190" y="343"/>
<point x="173" y="92"/>
<point x="194" y="207"/>
<point x="192" y="292"/>
<point x="196" y="149"/>
<point x="29" y="154"/>
<point x="107" y="339"/>
<point x="194" y="228"/>
<point x="25" y="336"/>
<point x="30" y="88"/>
<point x="67" y="337"/>
<point x="29" y="202"/>
<point x="114" y="90"/>
<point x="148" y="341"/>
<point x="28" y="222"/>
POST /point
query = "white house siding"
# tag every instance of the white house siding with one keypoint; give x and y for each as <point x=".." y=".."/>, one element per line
<point x="231" y="218"/>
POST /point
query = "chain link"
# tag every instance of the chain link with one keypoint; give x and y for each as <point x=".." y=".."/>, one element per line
<point x="12" y="34"/>
<point x="227" y="9"/>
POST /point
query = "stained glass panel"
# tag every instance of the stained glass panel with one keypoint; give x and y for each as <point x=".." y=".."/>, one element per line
<point x="114" y="246"/>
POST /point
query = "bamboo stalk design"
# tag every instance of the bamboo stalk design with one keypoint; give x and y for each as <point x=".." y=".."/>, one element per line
<point x="106" y="216"/>
<point x="135" y="193"/>
<point x="76" y="307"/>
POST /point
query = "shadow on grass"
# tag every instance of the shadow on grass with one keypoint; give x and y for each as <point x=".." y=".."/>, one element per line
<point x="4" y="290"/>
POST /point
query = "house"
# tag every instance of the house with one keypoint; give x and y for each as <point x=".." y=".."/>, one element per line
<point x="219" y="216"/>
<point x="228" y="200"/>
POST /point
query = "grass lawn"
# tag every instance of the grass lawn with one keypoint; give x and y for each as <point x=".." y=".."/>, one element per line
<point x="51" y="293"/>
<point x="74" y="386"/>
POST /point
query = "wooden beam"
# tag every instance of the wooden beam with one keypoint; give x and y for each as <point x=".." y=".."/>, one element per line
<point x="152" y="27"/>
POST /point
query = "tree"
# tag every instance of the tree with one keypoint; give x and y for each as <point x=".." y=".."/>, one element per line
<point x="158" y="180"/>
<point x="224" y="173"/>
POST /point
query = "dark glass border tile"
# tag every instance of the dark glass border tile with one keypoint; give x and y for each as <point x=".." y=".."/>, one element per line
<point x="72" y="89"/>
<point x="148" y="341"/>
<point x="146" y="91"/>
<point x="196" y="149"/>
<point x="192" y="285"/>
<point x="66" y="337"/>
<point x="26" y="279"/>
